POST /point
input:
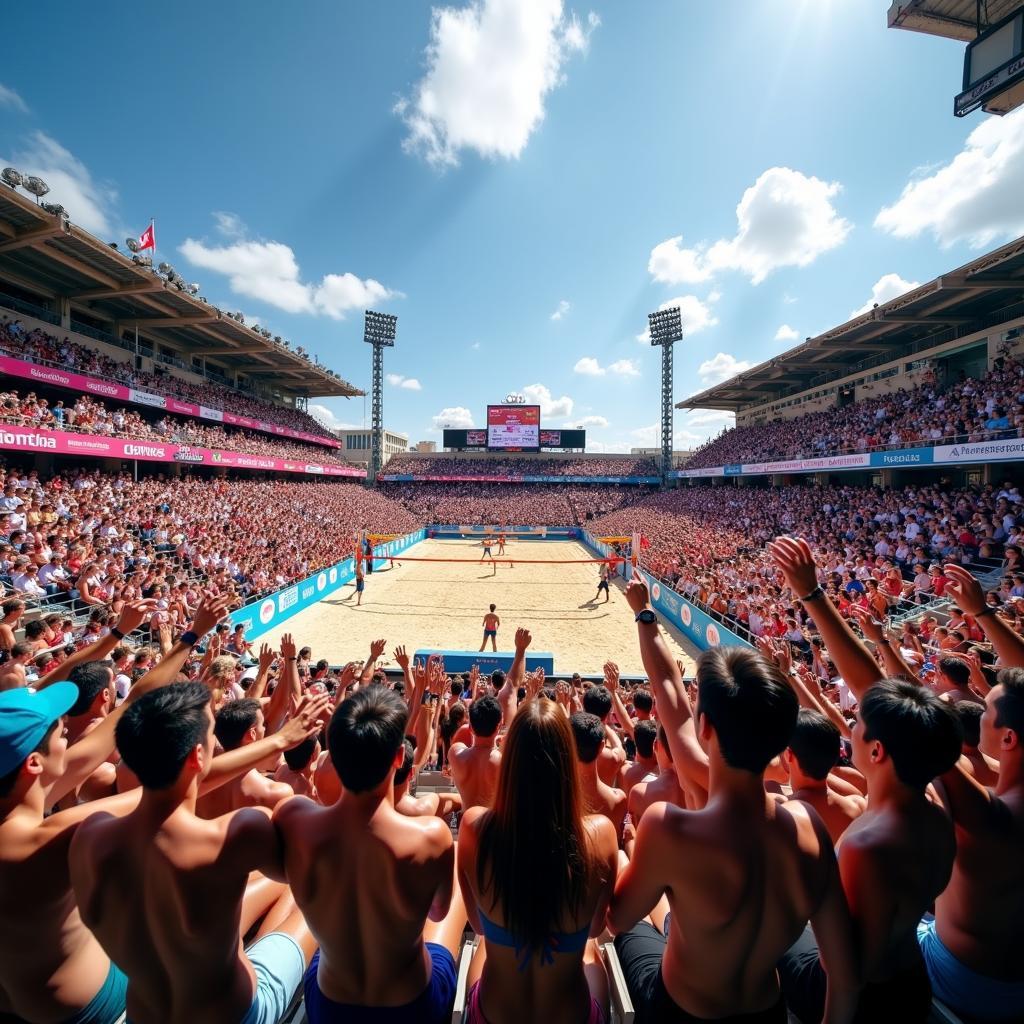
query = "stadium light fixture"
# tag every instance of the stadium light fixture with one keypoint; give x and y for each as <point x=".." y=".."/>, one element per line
<point x="36" y="186"/>
<point x="132" y="243"/>
<point x="58" y="211"/>
<point x="379" y="330"/>
<point x="666" y="327"/>
<point x="164" y="268"/>
<point x="11" y="177"/>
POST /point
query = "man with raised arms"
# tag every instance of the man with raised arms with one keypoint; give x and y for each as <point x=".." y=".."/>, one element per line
<point x="169" y="895"/>
<point x="743" y="875"/>
<point x="475" y="767"/>
<point x="377" y="887"/>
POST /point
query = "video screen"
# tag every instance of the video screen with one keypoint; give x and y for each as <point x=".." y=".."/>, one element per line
<point x="563" y="439"/>
<point x="513" y="428"/>
<point x="463" y="439"/>
<point x="551" y="439"/>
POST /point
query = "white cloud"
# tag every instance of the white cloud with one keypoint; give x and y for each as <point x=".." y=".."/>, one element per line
<point x="398" y="381"/>
<point x="9" y="98"/>
<point x="588" y="421"/>
<point x="609" y="447"/>
<point x="722" y="367"/>
<point x="588" y="366"/>
<point x="89" y="203"/>
<point x="490" y="66"/>
<point x="270" y="272"/>
<point x="710" y="417"/>
<point x="229" y="224"/>
<point x="885" y="289"/>
<point x="475" y="346"/>
<point x="563" y="307"/>
<point x="457" y="417"/>
<point x="786" y="333"/>
<point x="785" y="219"/>
<point x="789" y="299"/>
<point x="550" y="407"/>
<point x="330" y="420"/>
<point x="976" y="197"/>
<point x="694" y="315"/>
<point x="647" y="437"/>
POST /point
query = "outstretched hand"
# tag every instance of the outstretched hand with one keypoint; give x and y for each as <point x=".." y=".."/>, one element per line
<point x="211" y="610"/>
<point x="793" y="556"/>
<point x="307" y="720"/>
<point x="611" y="676"/>
<point x="964" y="589"/>
<point x="638" y="597"/>
<point x="523" y="639"/>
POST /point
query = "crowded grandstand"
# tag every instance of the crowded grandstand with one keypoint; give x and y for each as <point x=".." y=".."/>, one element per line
<point x="742" y="740"/>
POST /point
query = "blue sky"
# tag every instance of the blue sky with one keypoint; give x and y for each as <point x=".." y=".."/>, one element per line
<point x="520" y="182"/>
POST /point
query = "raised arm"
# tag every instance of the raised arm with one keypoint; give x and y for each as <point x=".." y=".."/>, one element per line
<point x="611" y="681"/>
<point x="886" y="644"/>
<point x="854" y="661"/>
<point x="966" y="592"/>
<point x="515" y="677"/>
<point x="376" y="650"/>
<point x="259" y="684"/>
<point x="288" y="689"/>
<point x="674" y="711"/>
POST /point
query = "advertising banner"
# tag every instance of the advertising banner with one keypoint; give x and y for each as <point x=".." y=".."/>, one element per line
<point x="902" y="457"/>
<point x="507" y="478"/>
<point x="91" y="446"/>
<point x="108" y="389"/>
<point x="980" y="451"/>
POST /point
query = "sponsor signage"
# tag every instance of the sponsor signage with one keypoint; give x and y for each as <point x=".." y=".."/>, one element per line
<point x="980" y="451"/>
<point x="515" y="479"/>
<point x="109" y="389"/>
<point x="66" y="443"/>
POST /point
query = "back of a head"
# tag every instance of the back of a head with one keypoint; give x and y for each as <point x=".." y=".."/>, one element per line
<point x="643" y="700"/>
<point x="815" y="744"/>
<point x="533" y="853"/>
<point x="955" y="670"/>
<point x="920" y="733"/>
<point x="969" y="712"/>
<point x="157" y="733"/>
<point x="234" y="720"/>
<point x="90" y="678"/>
<point x="403" y="773"/>
<point x="298" y="758"/>
<point x="748" y="702"/>
<point x="485" y="716"/>
<point x="365" y="734"/>
<point x="588" y="736"/>
<point x="497" y="679"/>
<point x="598" y="701"/>
<point x="1010" y="702"/>
<point x="644" y="735"/>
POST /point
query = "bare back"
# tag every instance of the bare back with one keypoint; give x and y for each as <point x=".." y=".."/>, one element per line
<point x="475" y="773"/>
<point x="166" y="902"/>
<point x="837" y="810"/>
<point x="366" y="885"/>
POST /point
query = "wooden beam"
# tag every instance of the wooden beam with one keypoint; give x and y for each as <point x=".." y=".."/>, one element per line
<point x="170" y="321"/>
<point x="125" y="291"/>
<point x="924" y="318"/>
<point x="81" y="268"/>
<point x="33" y="237"/>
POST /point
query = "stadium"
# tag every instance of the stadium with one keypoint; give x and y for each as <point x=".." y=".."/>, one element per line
<point x="560" y="729"/>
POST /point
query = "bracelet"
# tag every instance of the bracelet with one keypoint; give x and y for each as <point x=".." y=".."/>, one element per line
<point x="987" y="610"/>
<point x="114" y="631"/>
<point x="292" y="658"/>
<point x="188" y="637"/>
<point x="813" y="595"/>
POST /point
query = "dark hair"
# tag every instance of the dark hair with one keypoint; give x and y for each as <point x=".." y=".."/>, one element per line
<point x="588" y="734"/>
<point x="485" y="716"/>
<point x="452" y="721"/>
<point x="921" y="733"/>
<point x="403" y="773"/>
<point x="969" y="712"/>
<point x="90" y="678"/>
<point x="815" y="743"/>
<point x="20" y="648"/>
<point x="11" y="606"/>
<point x="533" y="850"/>
<point x="643" y="700"/>
<point x="956" y="670"/>
<point x="365" y="733"/>
<point x="597" y="701"/>
<point x="1010" y="703"/>
<point x="158" y="732"/>
<point x="298" y="758"/>
<point x="34" y="629"/>
<point x="493" y="606"/>
<point x="234" y="720"/>
<point x="7" y="781"/>
<point x="644" y="734"/>
<point x="747" y="701"/>
<point x="497" y="679"/>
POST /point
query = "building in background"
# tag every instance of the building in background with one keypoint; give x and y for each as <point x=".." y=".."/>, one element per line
<point x="679" y="458"/>
<point x="425" y="447"/>
<point x="356" y="445"/>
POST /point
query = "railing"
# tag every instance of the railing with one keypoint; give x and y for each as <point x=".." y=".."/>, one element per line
<point x="29" y="309"/>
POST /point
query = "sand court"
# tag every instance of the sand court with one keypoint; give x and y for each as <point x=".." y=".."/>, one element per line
<point x="442" y="605"/>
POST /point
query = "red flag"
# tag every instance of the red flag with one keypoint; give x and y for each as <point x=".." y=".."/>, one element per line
<point x="147" y="240"/>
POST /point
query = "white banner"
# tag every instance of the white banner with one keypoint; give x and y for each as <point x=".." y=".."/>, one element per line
<point x="980" y="451"/>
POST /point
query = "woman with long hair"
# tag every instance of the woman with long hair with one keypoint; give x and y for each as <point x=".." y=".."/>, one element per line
<point x="536" y="874"/>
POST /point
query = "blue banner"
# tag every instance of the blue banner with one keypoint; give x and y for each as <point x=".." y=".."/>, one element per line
<point x="735" y="469"/>
<point x="903" y="457"/>
<point x="265" y="614"/>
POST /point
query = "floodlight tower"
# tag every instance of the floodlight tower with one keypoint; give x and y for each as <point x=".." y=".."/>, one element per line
<point x="666" y="330"/>
<point x="379" y="331"/>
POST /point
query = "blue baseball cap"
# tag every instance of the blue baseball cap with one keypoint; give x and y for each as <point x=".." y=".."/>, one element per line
<point x="25" y="715"/>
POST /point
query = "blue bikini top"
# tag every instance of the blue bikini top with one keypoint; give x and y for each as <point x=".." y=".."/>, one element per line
<point x="556" y="942"/>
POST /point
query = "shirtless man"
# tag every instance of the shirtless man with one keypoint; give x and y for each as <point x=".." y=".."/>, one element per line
<point x="67" y="977"/>
<point x="299" y="768"/>
<point x="491" y="624"/>
<point x="953" y="677"/>
<point x="742" y="876"/>
<point x="441" y="805"/>
<point x="645" y="767"/>
<point x="475" y="767"/>
<point x="664" y="787"/>
<point x="237" y="724"/>
<point x="612" y="756"/>
<point x="602" y="583"/>
<point x="598" y="797"/>
<point x="377" y="887"/>
<point x="168" y="894"/>
<point x="985" y="769"/>
<point x="486" y="545"/>
<point x="812" y="753"/>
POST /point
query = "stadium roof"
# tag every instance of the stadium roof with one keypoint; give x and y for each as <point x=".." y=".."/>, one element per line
<point x="951" y="19"/>
<point x="982" y="294"/>
<point x="44" y="253"/>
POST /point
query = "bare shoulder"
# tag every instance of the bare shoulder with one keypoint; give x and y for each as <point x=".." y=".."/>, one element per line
<point x="665" y="820"/>
<point x="246" y="824"/>
<point x="602" y="834"/>
<point x="294" y="812"/>
<point x="808" y="829"/>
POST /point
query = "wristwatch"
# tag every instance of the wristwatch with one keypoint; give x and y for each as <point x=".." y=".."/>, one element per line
<point x="816" y="592"/>
<point x="114" y="631"/>
<point x="647" y="617"/>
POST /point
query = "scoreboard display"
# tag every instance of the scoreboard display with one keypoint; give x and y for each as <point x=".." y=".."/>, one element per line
<point x="477" y="440"/>
<point x="513" y="428"/>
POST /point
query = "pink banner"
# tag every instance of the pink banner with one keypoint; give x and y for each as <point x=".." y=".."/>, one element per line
<point x="108" y="389"/>
<point x="27" y="439"/>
